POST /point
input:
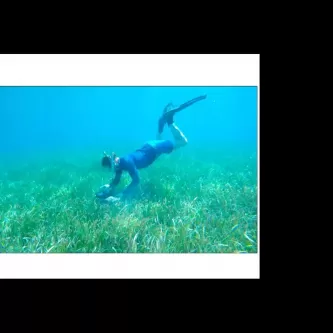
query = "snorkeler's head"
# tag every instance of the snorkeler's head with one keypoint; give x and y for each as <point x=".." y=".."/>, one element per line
<point x="107" y="160"/>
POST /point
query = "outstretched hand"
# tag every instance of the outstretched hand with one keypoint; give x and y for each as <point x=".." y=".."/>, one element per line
<point x="104" y="191"/>
<point x="110" y="199"/>
<point x="105" y="194"/>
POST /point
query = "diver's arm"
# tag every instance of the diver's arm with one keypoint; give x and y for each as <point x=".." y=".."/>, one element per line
<point x="106" y="191"/>
<point x="116" y="179"/>
<point x="133" y="172"/>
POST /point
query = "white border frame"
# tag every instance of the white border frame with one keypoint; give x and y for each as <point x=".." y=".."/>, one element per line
<point x="131" y="70"/>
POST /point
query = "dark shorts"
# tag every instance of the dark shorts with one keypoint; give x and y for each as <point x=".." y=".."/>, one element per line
<point x="162" y="146"/>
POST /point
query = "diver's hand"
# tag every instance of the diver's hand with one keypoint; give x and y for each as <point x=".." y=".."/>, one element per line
<point x="111" y="199"/>
<point x="104" y="191"/>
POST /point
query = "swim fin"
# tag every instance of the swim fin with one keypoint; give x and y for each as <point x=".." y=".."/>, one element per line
<point x="168" y="115"/>
<point x="189" y="103"/>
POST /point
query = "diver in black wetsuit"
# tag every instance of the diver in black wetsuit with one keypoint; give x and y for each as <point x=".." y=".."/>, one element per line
<point x="146" y="155"/>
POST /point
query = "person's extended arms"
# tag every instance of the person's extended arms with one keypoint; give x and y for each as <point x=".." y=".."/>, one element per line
<point x="107" y="194"/>
<point x="107" y="190"/>
<point x="116" y="179"/>
<point x="115" y="182"/>
<point x="133" y="172"/>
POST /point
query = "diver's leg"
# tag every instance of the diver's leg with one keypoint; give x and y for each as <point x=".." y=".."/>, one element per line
<point x="170" y="110"/>
<point x="160" y="126"/>
<point x="162" y="146"/>
<point x="163" y="120"/>
<point x="178" y="135"/>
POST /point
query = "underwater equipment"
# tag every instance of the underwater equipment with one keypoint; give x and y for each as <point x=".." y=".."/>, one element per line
<point x="170" y="110"/>
<point x="192" y="101"/>
<point x="184" y="105"/>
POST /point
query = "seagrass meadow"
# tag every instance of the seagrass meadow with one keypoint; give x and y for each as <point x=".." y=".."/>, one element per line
<point x="202" y="198"/>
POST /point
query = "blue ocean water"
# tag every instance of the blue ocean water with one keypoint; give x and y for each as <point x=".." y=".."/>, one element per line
<point x="200" y="198"/>
<point x="37" y="121"/>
